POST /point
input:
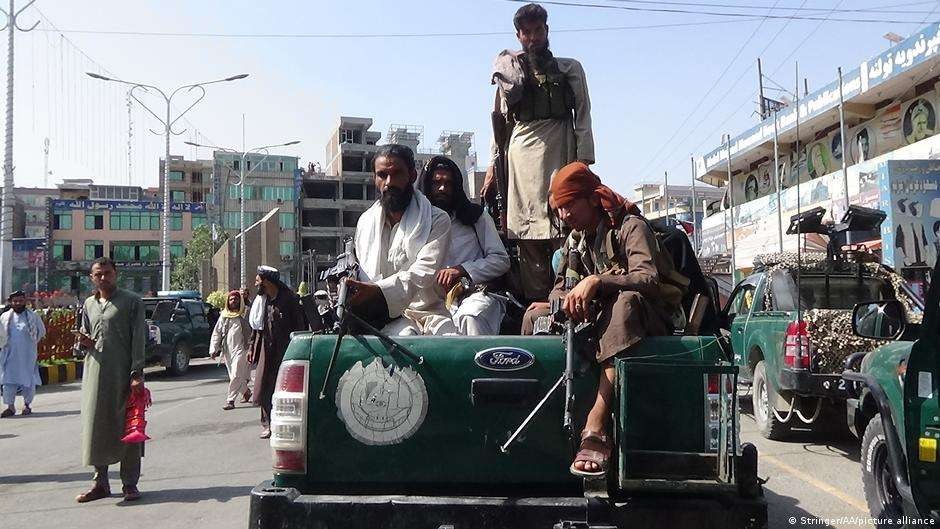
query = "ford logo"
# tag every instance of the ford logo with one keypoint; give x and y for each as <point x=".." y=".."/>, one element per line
<point x="504" y="359"/>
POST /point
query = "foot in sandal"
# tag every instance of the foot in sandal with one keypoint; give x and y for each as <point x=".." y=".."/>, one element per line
<point x="591" y="460"/>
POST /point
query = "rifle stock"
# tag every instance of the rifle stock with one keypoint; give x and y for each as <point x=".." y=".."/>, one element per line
<point x="500" y="167"/>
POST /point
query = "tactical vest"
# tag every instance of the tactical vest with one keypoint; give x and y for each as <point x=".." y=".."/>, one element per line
<point x="545" y="95"/>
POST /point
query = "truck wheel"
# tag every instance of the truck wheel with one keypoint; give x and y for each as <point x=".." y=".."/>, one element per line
<point x="767" y="423"/>
<point x="179" y="359"/>
<point x="881" y="494"/>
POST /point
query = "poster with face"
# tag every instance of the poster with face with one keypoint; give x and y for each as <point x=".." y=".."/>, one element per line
<point x="920" y="120"/>
<point x="862" y="147"/>
<point x="751" y="187"/>
<point x="835" y="147"/>
<point x="818" y="159"/>
<point x="765" y="178"/>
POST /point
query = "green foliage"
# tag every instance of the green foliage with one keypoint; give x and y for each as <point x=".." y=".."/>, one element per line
<point x="201" y="248"/>
<point x="217" y="299"/>
<point x="303" y="289"/>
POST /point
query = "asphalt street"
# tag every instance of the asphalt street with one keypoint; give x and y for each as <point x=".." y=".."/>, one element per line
<point x="202" y="463"/>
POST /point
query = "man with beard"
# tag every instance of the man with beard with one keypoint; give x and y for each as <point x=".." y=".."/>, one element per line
<point x="275" y="313"/>
<point x="476" y="255"/>
<point x="401" y="242"/>
<point x="548" y="113"/>
<point x="18" y="371"/>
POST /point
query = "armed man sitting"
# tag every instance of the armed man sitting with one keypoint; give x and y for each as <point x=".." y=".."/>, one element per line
<point x="629" y="280"/>
<point x="476" y="255"/>
<point x="401" y="242"/>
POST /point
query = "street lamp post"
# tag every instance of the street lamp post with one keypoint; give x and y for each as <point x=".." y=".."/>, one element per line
<point x="167" y="123"/>
<point x="241" y="187"/>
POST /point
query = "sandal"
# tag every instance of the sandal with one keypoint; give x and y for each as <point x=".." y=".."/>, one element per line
<point x="595" y="448"/>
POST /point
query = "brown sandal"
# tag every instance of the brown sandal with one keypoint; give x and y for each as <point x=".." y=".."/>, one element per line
<point x="595" y="448"/>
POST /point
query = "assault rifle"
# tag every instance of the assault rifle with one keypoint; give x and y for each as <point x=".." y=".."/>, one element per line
<point x="571" y="328"/>
<point x="500" y="166"/>
<point x="346" y="268"/>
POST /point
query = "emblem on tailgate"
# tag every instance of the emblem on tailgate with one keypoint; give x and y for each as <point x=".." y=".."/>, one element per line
<point x="504" y="359"/>
<point x="381" y="405"/>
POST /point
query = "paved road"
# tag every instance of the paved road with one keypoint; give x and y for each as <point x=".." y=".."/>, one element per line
<point x="203" y="461"/>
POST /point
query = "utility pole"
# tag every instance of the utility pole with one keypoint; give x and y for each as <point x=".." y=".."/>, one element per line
<point x="6" y="220"/>
<point x="45" y="162"/>
<point x="130" y="137"/>
<point x="760" y="90"/>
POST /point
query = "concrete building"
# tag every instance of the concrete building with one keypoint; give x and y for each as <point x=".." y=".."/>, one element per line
<point x="271" y="182"/>
<point x="263" y="245"/>
<point x="190" y="180"/>
<point x="651" y="198"/>
<point x="35" y="209"/>
<point x="887" y="110"/>
<point x="127" y="231"/>
<point x="335" y="197"/>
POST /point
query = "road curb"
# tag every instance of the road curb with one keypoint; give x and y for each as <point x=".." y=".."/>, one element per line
<point x="60" y="373"/>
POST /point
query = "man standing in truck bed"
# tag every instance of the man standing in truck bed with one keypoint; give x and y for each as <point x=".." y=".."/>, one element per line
<point x="548" y="113"/>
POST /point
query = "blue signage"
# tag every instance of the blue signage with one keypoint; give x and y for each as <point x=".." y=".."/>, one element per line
<point x="504" y="359"/>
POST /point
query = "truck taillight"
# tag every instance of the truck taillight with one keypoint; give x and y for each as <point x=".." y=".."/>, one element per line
<point x="796" y="348"/>
<point x="289" y="418"/>
<point x="719" y="396"/>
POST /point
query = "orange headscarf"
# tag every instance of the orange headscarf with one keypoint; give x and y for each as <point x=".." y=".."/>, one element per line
<point x="576" y="180"/>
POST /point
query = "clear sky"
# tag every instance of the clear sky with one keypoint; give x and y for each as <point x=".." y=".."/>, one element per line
<point x="643" y="82"/>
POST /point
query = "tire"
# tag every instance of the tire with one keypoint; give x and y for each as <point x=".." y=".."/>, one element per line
<point x="179" y="359"/>
<point x="767" y="422"/>
<point x="883" y="500"/>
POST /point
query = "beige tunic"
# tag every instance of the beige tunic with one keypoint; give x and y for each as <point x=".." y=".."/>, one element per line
<point x="539" y="148"/>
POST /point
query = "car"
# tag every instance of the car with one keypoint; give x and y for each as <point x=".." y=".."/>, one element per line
<point x="896" y="408"/>
<point x="788" y="345"/>
<point x="179" y="327"/>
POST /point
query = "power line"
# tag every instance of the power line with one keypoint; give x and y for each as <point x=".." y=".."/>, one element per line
<point x="382" y="35"/>
<point x="721" y="76"/>
<point x="717" y="13"/>
<point x="878" y="9"/>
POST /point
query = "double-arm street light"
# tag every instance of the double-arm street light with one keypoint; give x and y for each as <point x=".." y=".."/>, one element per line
<point x="168" y="122"/>
<point x="242" y="175"/>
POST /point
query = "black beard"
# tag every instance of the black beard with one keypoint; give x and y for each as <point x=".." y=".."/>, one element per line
<point x="19" y="310"/>
<point x="396" y="200"/>
<point x="445" y="204"/>
<point x="539" y="55"/>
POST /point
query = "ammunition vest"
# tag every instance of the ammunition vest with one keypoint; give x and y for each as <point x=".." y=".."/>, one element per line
<point x="546" y="95"/>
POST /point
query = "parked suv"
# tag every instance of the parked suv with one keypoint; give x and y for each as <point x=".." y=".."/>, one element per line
<point x="180" y="326"/>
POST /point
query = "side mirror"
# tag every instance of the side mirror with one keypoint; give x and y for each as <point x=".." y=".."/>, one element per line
<point x="879" y="320"/>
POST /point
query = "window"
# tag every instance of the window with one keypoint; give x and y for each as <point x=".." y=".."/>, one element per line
<point x="210" y="198"/>
<point x="94" y="221"/>
<point x="136" y="251"/>
<point x="178" y="196"/>
<point x="197" y="196"/>
<point x="62" y="221"/>
<point x="287" y="247"/>
<point x="196" y="312"/>
<point x="742" y="301"/>
<point x="177" y="250"/>
<point x="199" y="220"/>
<point x="248" y="165"/>
<point x="62" y="250"/>
<point x="93" y="250"/>
<point x="280" y="166"/>
<point x="286" y="221"/>
<point x="176" y="221"/>
<point x="250" y="192"/>
<point x="236" y="164"/>
<point x="230" y="220"/>
<point x="176" y="176"/>
<point x="135" y="220"/>
<point x="282" y="193"/>
<point x="197" y="177"/>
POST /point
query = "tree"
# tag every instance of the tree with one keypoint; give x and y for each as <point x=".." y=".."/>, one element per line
<point x="201" y="248"/>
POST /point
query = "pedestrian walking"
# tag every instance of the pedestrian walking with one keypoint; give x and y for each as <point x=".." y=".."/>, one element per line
<point x="231" y="338"/>
<point x="275" y="313"/>
<point x="113" y="334"/>
<point x="19" y="373"/>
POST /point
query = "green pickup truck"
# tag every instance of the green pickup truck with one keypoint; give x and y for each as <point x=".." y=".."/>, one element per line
<point x="793" y="359"/>
<point x="896" y="406"/>
<point x="419" y="439"/>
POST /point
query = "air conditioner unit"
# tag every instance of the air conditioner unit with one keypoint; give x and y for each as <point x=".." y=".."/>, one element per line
<point x="281" y="201"/>
<point x="287" y="257"/>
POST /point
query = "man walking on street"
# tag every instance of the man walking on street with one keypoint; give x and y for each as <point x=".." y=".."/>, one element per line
<point x="544" y="101"/>
<point x="113" y="334"/>
<point x="275" y="314"/>
<point x="18" y="370"/>
<point x="231" y="338"/>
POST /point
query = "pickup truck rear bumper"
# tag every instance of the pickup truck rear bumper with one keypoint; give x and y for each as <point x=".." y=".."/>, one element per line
<point x="286" y="508"/>
<point x="805" y="383"/>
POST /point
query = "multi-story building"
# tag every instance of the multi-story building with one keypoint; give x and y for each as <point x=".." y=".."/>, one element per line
<point x="651" y="198"/>
<point x="35" y="207"/>
<point x="190" y="180"/>
<point x="127" y="231"/>
<point x="270" y="182"/>
<point x="335" y="197"/>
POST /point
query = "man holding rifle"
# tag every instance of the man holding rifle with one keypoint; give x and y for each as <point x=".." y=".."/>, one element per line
<point x="541" y="121"/>
<point x="627" y="287"/>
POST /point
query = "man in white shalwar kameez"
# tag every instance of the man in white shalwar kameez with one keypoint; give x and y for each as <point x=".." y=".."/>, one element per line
<point x="401" y="242"/>
<point x="476" y="256"/>
<point x="546" y="104"/>
<point x="19" y="372"/>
